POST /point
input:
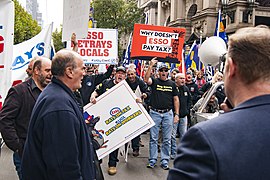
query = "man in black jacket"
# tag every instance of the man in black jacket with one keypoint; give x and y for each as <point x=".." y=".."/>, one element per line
<point x="185" y="102"/>
<point x="16" y="112"/>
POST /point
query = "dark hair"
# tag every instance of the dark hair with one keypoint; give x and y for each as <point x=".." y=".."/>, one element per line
<point x="37" y="64"/>
<point x="176" y="70"/>
<point x="62" y="60"/>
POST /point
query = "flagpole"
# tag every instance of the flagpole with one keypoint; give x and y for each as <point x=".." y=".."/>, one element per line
<point x="183" y="62"/>
<point x="199" y="48"/>
<point x="142" y="68"/>
<point x="219" y="16"/>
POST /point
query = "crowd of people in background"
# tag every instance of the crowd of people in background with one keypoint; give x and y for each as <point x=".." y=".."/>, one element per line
<point x="40" y="151"/>
<point x="185" y="94"/>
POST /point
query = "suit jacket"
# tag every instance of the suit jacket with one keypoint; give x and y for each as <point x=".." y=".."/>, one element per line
<point x="233" y="146"/>
<point x="16" y="112"/>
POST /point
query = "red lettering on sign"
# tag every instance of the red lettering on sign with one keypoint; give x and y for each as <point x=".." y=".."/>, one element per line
<point x="158" y="41"/>
<point x="94" y="52"/>
<point x="1" y="44"/>
<point x="95" y="35"/>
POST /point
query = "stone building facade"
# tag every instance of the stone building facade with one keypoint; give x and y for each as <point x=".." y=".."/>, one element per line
<point x="199" y="16"/>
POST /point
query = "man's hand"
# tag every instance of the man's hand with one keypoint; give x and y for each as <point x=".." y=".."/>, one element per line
<point x="153" y="61"/>
<point x="73" y="39"/>
<point x="138" y="100"/>
<point x="93" y="100"/>
<point x="74" y="42"/>
<point x="144" y="96"/>
<point x="226" y="105"/>
<point x="176" y="119"/>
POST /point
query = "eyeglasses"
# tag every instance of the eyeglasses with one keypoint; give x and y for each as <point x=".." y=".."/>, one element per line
<point x="163" y="70"/>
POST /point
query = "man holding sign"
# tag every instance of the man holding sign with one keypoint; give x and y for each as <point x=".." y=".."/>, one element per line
<point x="103" y="87"/>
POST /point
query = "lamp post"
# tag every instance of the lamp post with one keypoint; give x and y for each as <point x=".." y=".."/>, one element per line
<point x="249" y="11"/>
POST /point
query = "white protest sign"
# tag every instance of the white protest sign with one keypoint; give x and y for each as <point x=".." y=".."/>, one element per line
<point x="40" y="45"/>
<point x="75" y="18"/>
<point x="121" y="118"/>
<point x="6" y="45"/>
<point x="100" y="46"/>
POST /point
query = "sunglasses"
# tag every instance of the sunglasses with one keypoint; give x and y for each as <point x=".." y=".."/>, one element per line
<point x="163" y="70"/>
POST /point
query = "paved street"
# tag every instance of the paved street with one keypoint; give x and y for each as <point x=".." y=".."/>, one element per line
<point x="134" y="169"/>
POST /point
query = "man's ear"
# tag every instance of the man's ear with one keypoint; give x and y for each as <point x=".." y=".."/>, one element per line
<point x="69" y="72"/>
<point x="35" y="71"/>
<point x="231" y="68"/>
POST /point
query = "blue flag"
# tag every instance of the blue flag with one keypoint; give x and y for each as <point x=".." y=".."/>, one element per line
<point x="192" y="59"/>
<point x="127" y="54"/>
<point x="220" y="29"/>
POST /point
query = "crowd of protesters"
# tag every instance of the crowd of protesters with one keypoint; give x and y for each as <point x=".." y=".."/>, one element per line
<point x="39" y="149"/>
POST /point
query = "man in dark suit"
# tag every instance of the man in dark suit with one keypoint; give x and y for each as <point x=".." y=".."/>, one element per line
<point x="235" y="145"/>
<point x="16" y="112"/>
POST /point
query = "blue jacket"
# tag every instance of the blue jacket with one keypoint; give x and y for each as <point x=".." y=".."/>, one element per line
<point x="58" y="145"/>
<point x="233" y="146"/>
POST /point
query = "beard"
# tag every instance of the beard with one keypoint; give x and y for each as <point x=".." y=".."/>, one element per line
<point x="42" y="81"/>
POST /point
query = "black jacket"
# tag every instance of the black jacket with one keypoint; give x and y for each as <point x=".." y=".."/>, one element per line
<point x="89" y="84"/>
<point x="185" y="101"/>
<point x="16" y="112"/>
<point x="194" y="91"/>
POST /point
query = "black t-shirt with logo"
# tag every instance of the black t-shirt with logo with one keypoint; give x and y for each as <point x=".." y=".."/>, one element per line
<point x="105" y="86"/>
<point x="162" y="94"/>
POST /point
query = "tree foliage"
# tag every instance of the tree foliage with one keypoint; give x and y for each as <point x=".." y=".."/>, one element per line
<point x="57" y="40"/>
<point x="117" y="14"/>
<point x="25" y="26"/>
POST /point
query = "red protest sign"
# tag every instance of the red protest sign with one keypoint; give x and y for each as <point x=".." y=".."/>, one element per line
<point x="166" y="43"/>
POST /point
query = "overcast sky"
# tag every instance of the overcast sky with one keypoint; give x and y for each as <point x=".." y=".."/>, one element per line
<point x="52" y="11"/>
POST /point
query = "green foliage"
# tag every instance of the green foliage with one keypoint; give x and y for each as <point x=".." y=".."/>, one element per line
<point x="117" y="14"/>
<point x="25" y="27"/>
<point x="57" y="40"/>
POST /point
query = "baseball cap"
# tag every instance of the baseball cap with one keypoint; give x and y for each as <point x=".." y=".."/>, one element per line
<point x="121" y="68"/>
<point x="189" y="72"/>
<point x="163" y="66"/>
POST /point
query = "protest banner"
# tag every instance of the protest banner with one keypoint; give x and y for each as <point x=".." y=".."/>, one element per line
<point x="100" y="46"/>
<point x="75" y="18"/>
<point x="40" y="45"/>
<point x="166" y="43"/>
<point x="6" y="46"/>
<point x="121" y="118"/>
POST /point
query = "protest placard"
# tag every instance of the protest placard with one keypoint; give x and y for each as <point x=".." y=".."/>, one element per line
<point x="121" y="118"/>
<point x="75" y="18"/>
<point x="100" y="46"/>
<point x="166" y="43"/>
<point x="6" y="45"/>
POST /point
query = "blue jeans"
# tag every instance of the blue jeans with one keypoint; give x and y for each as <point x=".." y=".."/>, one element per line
<point x="17" y="162"/>
<point x="181" y="127"/>
<point x="166" y="121"/>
